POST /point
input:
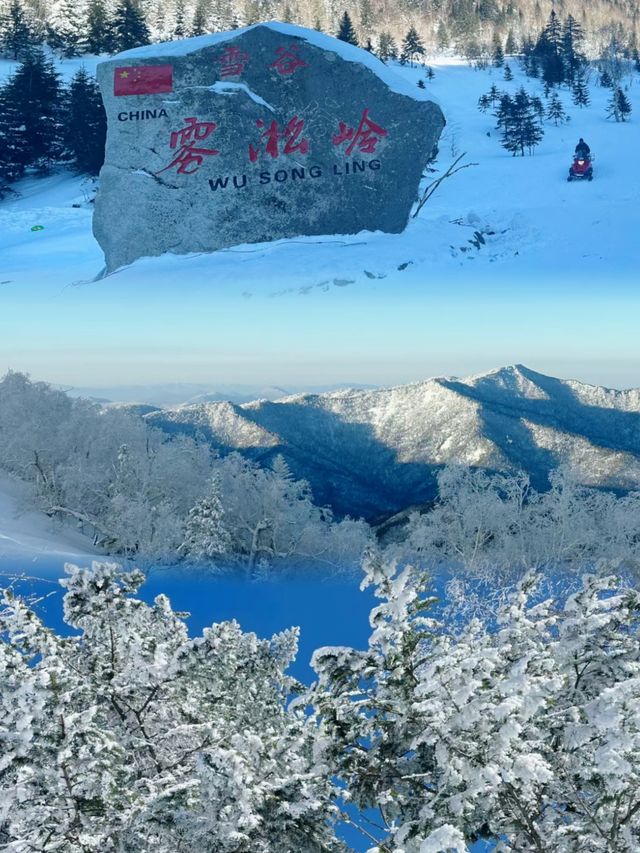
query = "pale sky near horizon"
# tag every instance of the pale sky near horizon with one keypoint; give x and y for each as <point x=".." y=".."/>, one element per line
<point x="108" y="335"/>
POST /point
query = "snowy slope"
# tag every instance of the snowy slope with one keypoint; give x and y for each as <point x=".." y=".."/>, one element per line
<point x="377" y="451"/>
<point x="534" y="223"/>
<point x="29" y="538"/>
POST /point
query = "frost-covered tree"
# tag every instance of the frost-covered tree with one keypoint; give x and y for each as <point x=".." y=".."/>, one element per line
<point x="206" y="535"/>
<point x="527" y="735"/>
<point x="67" y="28"/>
<point x="271" y="516"/>
<point x="492" y="525"/>
<point x="129" y="735"/>
<point x="17" y="31"/>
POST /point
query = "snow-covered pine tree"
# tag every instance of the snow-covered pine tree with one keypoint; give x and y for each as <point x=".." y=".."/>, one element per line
<point x="17" y="32"/>
<point x="619" y="106"/>
<point x="200" y="23"/>
<point x="346" y="31"/>
<point x="84" y="124"/>
<point x="129" y="26"/>
<point x="129" y="735"/>
<point x="508" y="73"/>
<point x="412" y="46"/>
<point x="527" y="733"/>
<point x="12" y="144"/>
<point x="206" y="536"/>
<point x="67" y="28"/>
<point x="179" y="20"/>
<point x="99" y="28"/>
<point x="31" y="129"/>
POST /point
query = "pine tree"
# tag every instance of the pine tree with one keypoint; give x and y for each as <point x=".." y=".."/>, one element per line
<point x="85" y="124"/>
<point x="67" y="29"/>
<point x="412" y="46"/>
<point x="369" y="46"/>
<point x="30" y="126"/>
<point x="511" y="45"/>
<point x="508" y="73"/>
<point x="484" y="102"/>
<point x="387" y="47"/>
<point x="99" y="28"/>
<point x="17" y="36"/>
<point x="549" y="50"/>
<point x="129" y="26"/>
<point x="605" y="80"/>
<point x="580" y="91"/>
<point x="346" y="32"/>
<point x="572" y="55"/>
<point x="430" y="73"/>
<point x="619" y="106"/>
<point x="179" y="27"/>
<point x="206" y="535"/>
<point x="497" y="51"/>
<point x="199" y="25"/>
<point x="556" y="111"/>
<point x="11" y="142"/>
<point x="521" y="130"/>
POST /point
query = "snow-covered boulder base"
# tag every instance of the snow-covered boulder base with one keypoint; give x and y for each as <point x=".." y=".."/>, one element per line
<point x="256" y="134"/>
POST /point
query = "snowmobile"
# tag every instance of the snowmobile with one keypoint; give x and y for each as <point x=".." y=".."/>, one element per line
<point x="581" y="168"/>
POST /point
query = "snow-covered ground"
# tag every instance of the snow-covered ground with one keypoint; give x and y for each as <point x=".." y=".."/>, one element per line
<point x="535" y="224"/>
<point x="30" y="539"/>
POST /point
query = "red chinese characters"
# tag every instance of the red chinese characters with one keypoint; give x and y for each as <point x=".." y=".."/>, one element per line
<point x="190" y="155"/>
<point x="272" y="138"/>
<point x="288" y="60"/>
<point x="365" y="137"/>
<point x="232" y="62"/>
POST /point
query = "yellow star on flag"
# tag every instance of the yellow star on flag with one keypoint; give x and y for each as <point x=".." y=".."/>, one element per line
<point x="125" y="74"/>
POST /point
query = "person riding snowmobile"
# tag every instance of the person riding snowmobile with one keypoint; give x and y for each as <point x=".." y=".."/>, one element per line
<point x="582" y="149"/>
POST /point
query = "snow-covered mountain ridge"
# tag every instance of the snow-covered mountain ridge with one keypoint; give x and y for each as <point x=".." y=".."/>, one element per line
<point x="373" y="452"/>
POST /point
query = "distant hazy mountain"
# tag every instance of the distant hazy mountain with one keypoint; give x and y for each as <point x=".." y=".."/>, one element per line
<point x="174" y="394"/>
<point x="373" y="452"/>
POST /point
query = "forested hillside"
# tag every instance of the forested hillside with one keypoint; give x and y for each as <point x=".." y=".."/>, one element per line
<point x="473" y="27"/>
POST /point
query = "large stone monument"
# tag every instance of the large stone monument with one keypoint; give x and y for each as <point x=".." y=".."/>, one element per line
<point x="256" y="134"/>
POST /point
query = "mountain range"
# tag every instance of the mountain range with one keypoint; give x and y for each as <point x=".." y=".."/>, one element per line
<point x="376" y="452"/>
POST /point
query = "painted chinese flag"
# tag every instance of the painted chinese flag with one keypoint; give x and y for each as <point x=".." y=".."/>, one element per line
<point x="143" y="80"/>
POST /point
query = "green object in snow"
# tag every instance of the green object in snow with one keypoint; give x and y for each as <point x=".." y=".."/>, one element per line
<point x="38" y="228"/>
